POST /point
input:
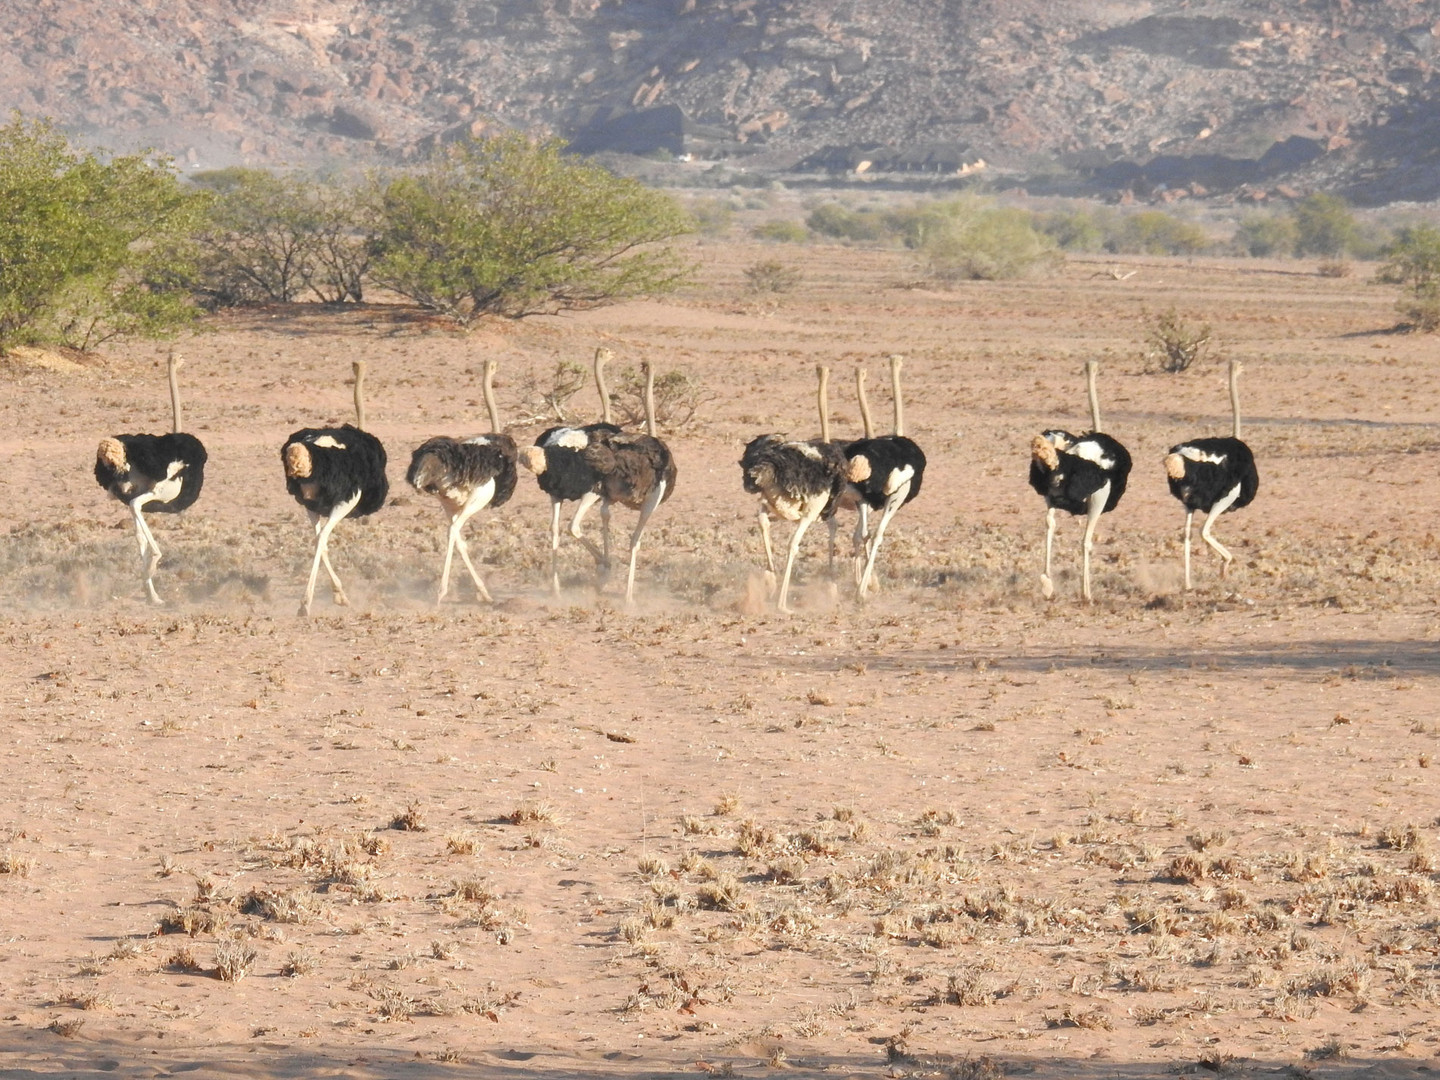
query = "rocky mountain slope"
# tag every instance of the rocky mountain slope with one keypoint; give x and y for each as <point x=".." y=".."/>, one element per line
<point x="1209" y="95"/>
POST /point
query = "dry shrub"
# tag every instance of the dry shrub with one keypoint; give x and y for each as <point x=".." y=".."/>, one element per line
<point x="534" y="813"/>
<point x="19" y="865"/>
<point x="233" y="960"/>
<point x="722" y="894"/>
<point x="411" y="819"/>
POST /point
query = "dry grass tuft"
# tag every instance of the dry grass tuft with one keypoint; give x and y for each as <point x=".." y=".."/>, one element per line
<point x="18" y="865"/>
<point x="411" y="819"/>
<point x="233" y="960"/>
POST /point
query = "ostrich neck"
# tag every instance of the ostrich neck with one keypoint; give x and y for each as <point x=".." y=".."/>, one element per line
<point x="175" y="394"/>
<point x="359" y="368"/>
<point x="865" y="419"/>
<point x="603" y="389"/>
<point x="899" y="402"/>
<point x="823" y="394"/>
<point x="1235" y="399"/>
<point x="1090" y="371"/>
<point x="650" y="401"/>
<point x="489" y="392"/>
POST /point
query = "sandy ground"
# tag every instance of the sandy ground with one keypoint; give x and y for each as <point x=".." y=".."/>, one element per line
<point x="959" y="831"/>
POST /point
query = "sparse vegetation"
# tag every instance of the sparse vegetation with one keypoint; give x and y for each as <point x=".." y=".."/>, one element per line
<point x="1175" y="343"/>
<point x="507" y="226"/>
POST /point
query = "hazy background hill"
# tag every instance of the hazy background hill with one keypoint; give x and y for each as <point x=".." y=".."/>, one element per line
<point x="1226" y="96"/>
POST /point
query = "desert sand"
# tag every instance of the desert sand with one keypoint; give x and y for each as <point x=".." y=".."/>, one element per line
<point x="956" y="831"/>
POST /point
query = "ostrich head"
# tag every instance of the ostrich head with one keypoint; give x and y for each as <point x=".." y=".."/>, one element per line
<point x="298" y="465"/>
<point x="111" y="453"/>
<point x="1043" y="451"/>
<point x="533" y="458"/>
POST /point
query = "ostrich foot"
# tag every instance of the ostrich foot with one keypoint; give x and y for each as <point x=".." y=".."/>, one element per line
<point x="1047" y="587"/>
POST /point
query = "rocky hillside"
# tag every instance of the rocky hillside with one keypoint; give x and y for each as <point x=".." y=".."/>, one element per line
<point x="1205" y="96"/>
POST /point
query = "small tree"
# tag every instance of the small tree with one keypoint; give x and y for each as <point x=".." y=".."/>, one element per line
<point x="1413" y="260"/>
<point x="1324" y="226"/>
<point x="512" y="227"/>
<point x="281" y="238"/>
<point x="90" y="248"/>
<point x="1267" y="235"/>
<point x="971" y="240"/>
<point x="1178" y="344"/>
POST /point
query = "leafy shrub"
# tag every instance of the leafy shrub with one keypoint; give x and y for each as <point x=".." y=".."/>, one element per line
<point x="1419" y="308"/>
<point x="511" y="227"/>
<point x="971" y="240"/>
<point x="1178" y="344"/>
<point x="90" y="248"/>
<point x="1412" y="258"/>
<point x="1267" y="235"/>
<point x="678" y="397"/>
<point x="1335" y="268"/>
<point x="713" y="217"/>
<point x="837" y="221"/>
<point x="783" y="232"/>
<point x="1073" y="230"/>
<point x="771" y="276"/>
<point x="281" y="238"/>
<point x="1324" y="226"/>
<point x="1154" y="232"/>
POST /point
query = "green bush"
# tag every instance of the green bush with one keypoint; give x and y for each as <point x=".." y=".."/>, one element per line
<point x="90" y="248"/>
<point x="771" y="276"/>
<point x="1267" y="235"/>
<point x="838" y="221"/>
<point x="511" y="227"/>
<point x="1073" y="230"/>
<point x="968" y="239"/>
<point x="1324" y="226"/>
<point x="1412" y="258"/>
<point x="1154" y="232"/>
<point x="1419" y="308"/>
<point x="781" y="232"/>
<point x="281" y="238"/>
<point x="713" y="217"/>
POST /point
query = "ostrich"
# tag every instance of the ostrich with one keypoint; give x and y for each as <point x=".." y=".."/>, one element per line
<point x="635" y="470"/>
<point x="466" y="475"/>
<point x="557" y="459"/>
<point x="335" y="473"/>
<point x="799" y="481"/>
<point x="1080" y="474"/>
<point x="1213" y="476"/>
<point x="885" y="473"/>
<point x="164" y="472"/>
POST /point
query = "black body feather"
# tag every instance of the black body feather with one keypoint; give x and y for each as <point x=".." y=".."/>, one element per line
<point x="567" y="475"/>
<point x="793" y="471"/>
<point x="344" y="460"/>
<point x="442" y="465"/>
<point x="1080" y="472"/>
<point x="150" y="459"/>
<point x="629" y="465"/>
<point x="886" y="456"/>
<point x="1206" y="482"/>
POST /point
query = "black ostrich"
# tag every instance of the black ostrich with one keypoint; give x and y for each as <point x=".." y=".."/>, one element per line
<point x="162" y="472"/>
<point x="1079" y="474"/>
<point x="797" y="480"/>
<point x="466" y="475"/>
<point x="885" y="474"/>
<point x="636" y="470"/>
<point x="335" y="473"/>
<point x="1213" y="476"/>
<point x="558" y="461"/>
